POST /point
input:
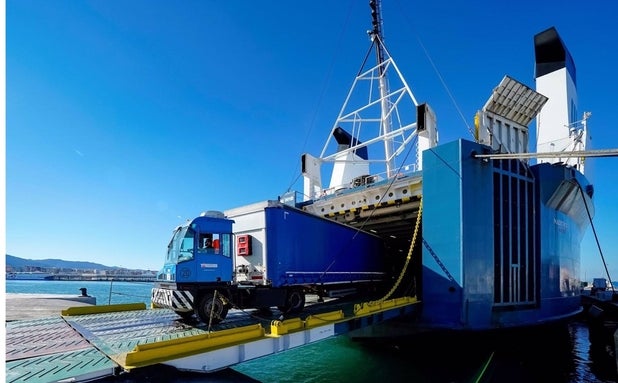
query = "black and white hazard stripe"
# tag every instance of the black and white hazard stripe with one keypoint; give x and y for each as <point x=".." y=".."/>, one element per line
<point x="177" y="300"/>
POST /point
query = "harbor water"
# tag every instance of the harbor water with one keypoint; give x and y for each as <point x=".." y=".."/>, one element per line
<point x="569" y="353"/>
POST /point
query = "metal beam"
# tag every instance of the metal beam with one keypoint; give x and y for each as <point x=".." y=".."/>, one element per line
<point x="578" y="153"/>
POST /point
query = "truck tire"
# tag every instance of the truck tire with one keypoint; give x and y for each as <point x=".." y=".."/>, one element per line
<point x="186" y="315"/>
<point x="294" y="302"/>
<point x="208" y="306"/>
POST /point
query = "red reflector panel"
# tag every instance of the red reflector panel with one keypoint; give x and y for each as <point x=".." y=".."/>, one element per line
<point x="243" y="243"/>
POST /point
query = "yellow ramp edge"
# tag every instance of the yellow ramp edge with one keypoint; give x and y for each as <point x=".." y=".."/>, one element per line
<point x="151" y="353"/>
<point x="322" y="319"/>
<point x="85" y="310"/>
<point x="367" y="308"/>
<point x="278" y="328"/>
<point x="158" y="352"/>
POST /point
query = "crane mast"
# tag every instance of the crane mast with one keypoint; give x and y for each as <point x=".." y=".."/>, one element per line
<point x="385" y="128"/>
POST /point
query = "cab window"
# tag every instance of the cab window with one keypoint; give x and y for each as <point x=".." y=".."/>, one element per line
<point x="215" y="243"/>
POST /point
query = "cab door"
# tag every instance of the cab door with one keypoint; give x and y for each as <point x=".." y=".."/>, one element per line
<point x="214" y="257"/>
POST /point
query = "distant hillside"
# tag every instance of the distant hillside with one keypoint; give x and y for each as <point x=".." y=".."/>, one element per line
<point x="19" y="263"/>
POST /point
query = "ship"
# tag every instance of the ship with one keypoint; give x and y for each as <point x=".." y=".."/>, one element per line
<point x="29" y="275"/>
<point x="483" y="232"/>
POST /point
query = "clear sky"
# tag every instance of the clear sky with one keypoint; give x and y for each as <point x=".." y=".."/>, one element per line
<point x="126" y="117"/>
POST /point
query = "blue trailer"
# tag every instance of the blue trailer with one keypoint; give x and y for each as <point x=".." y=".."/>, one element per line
<point x="263" y="255"/>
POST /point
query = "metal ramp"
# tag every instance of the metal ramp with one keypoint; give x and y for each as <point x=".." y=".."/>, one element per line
<point x="49" y="350"/>
<point x="89" y="343"/>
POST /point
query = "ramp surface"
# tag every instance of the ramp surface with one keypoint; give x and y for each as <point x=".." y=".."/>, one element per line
<point x="119" y="338"/>
<point x="50" y="350"/>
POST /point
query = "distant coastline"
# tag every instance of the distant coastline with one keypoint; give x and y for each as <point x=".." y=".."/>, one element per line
<point x="78" y="276"/>
<point x="61" y="270"/>
<point x="85" y="277"/>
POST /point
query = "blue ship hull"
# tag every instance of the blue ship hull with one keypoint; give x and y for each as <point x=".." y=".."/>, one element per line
<point x="501" y="240"/>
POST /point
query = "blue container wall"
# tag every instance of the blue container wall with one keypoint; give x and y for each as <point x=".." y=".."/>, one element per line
<point x="303" y="248"/>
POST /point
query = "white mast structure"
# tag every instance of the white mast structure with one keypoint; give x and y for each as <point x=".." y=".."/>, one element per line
<point x="379" y="119"/>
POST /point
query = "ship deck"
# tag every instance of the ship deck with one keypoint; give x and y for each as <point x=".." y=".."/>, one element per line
<point x="89" y="343"/>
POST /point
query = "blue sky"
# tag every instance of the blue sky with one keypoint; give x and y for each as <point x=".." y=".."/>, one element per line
<point x="125" y="118"/>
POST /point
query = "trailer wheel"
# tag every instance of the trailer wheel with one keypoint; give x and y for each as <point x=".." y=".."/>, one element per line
<point x="208" y="306"/>
<point x="294" y="302"/>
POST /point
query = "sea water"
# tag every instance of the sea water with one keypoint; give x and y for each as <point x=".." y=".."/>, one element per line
<point x="566" y="354"/>
<point x="105" y="292"/>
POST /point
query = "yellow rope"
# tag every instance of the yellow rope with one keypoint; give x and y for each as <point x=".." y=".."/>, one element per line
<point x="408" y="258"/>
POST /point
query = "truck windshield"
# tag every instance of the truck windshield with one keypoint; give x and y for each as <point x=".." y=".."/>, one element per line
<point x="181" y="245"/>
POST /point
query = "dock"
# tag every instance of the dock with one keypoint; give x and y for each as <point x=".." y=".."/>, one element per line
<point x="35" y="306"/>
<point x="89" y="342"/>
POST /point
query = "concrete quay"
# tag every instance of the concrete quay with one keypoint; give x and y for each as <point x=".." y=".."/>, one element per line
<point x="36" y="306"/>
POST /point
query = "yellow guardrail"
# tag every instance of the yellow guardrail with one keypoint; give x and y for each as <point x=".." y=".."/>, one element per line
<point x="320" y="319"/>
<point x="367" y="308"/>
<point x="85" y="310"/>
<point x="150" y="353"/>
<point x="278" y="328"/>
